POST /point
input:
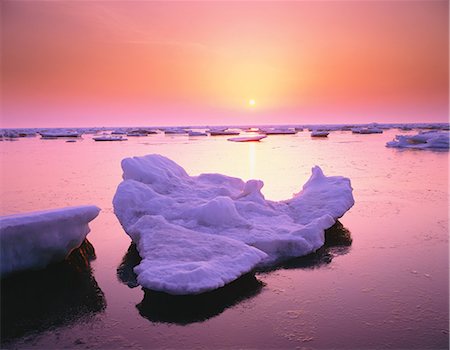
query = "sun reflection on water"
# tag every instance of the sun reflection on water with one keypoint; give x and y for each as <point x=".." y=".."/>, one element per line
<point x="251" y="160"/>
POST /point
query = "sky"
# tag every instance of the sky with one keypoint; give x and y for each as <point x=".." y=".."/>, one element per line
<point x="118" y="63"/>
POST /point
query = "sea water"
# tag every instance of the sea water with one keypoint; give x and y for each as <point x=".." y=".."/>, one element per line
<point x="388" y="289"/>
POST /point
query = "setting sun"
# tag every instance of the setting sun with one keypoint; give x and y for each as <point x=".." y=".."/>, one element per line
<point x="251" y="103"/>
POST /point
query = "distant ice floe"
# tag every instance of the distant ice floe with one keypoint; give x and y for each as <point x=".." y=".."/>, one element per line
<point x="316" y="133"/>
<point x="104" y="138"/>
<point x="279" y="131"/>
<point x="174" y="131"/>
<point x="198" y="233"/>
<point x="197" y="133"/>
<point x="369" y="130"/>
<point x="250" y="138"/>
<point x="53" y="134"/>
<point x="34" y="240"/>
<point x="223" y="131"/>
<point x="423" y="140"/>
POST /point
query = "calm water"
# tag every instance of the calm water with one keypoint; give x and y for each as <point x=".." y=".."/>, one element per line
<point x="389" y="289"/>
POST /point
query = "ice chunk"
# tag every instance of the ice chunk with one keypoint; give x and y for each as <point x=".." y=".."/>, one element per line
<point x="369" y="130"/>
<point x="247" y="138"/>
<point x="34" y="240"/>
<point x="109" y="138"/>
<point x="181" y="261"/>
<point x="279" y="131"/>
<point x="316" y="133"/>
<point x="219" y="132"/>
<point x="423" y="140"/>
<point x="213" y="209"/>
<point x="60" y="133"/>
<point x="197" y="133"/>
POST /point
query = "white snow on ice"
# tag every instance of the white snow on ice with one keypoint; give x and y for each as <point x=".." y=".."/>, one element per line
<point x="34" y="240"/>
<point x="422" y="140"/>
<point x="184" y="261"/>
<point x="197" y="233"/>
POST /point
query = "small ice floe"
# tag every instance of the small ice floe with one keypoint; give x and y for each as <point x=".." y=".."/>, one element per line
<point x="197" y="133"/>
<point x="136" y="134"/>
<point x="11" y="134"/>
<point x="247" y="138"/>
<point x="118" y="132"/>
<point x="198" y="233"/>
<point x="109" y="138"/>
<point x="59" y="134"/>
<point x="317" y="133"/>
<point x="175" y="131"/>
<point x="34" y="240"/>
<point x="279" y="131"/>
<point x="219" y="132"/>
<point x="26" y="133"/>
<point x="251" y="129"/>
<point x="149" y="131"/>
<point x="141" y="132"/>
<point x="370" y="130"/>
<point x="422" y="140"/>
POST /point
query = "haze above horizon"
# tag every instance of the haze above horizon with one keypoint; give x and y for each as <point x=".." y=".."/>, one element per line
<point x="109" y="63"/>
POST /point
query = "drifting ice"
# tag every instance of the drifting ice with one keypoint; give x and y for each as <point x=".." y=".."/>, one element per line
<point x="197" y="233"/>
<point x="34" y="240"/>
<point x="423" y="140"/>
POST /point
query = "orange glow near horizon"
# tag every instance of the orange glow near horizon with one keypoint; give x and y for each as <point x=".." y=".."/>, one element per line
<point x="180" y="63"/>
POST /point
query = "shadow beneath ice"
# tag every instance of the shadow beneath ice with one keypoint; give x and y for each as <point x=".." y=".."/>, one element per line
<point x="337" y="242"/>
<point x="65" y="292"/>
<point x="125" y="272"/>
<point x="186" y="309"/>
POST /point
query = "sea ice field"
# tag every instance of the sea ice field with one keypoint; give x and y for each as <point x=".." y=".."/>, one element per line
<point x="380" y="281"/>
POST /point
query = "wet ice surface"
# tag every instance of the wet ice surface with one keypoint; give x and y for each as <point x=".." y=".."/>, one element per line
<point x="389" y="288"/>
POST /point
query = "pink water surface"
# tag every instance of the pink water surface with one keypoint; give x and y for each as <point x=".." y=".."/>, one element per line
<point x="389" y="290"/>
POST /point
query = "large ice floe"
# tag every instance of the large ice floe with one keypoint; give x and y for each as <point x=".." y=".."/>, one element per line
<point x="423" y="140"/>
<point x="198" y="233"/>
<point x="34" y="240"/>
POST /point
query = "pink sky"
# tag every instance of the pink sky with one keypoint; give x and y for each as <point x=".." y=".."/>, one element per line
<point x="106" y="63"/>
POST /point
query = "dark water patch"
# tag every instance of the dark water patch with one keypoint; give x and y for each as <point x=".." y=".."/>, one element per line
<point x="186" y="309"/>
<point x="61" y="294"/>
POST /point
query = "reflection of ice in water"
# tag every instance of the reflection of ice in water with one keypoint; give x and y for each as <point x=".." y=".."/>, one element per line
<point x="58" y="296"/>
<point x="185" y="309"/>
